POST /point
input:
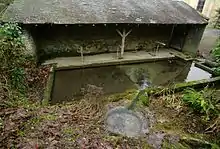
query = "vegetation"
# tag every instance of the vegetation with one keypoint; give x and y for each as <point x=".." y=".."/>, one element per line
<point x="203" y="101"/>
<point x="18" y="72"/>
<point x="216" y="51"/>
<point x="80" y="123"/>
<point x="217" y="20"/>
<point x="12" y="74"/>
<point x="216" y="54"/>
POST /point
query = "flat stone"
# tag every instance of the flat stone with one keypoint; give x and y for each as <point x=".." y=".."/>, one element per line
<point x="122" y="121"/>
<point x="109" y="59"/>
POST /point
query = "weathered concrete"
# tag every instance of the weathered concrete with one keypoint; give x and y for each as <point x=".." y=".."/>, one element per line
<point x="69" y="84"/>
<point x="204" y="67"/>
<point x="29" y="43"/>
<point x="49" y="87"/>
<point x="193" y="39"/>
<point x="60" y="40"/>
<point x="110" y="59"/>
<point x="208" y="42"/>
<point x="51" y="41"/>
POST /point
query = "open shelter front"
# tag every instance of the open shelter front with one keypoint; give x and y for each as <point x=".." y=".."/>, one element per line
<point x="76" y="28"/>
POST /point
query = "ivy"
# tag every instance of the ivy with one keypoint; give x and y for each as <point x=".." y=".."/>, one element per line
<point x="12" y="58"/>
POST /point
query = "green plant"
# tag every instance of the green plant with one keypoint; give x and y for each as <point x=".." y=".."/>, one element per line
<point x="18" y="79"/>
<point x="12" y="58"/>
<point x="216" y="54"/>
<point x="216" y="51"/>
<point x="201" y="101"/>
<point x="11" y="46"/>
<point x="217" y="19"/>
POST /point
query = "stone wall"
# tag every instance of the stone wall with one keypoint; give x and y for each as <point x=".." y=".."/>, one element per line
<point x="60" y="40"/>
<point x="29" y="43"/>
<point x="193" y="39"/>
<point x="68" y="40"/>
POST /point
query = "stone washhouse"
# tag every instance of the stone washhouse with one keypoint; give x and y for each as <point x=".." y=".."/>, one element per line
<point x="75" y="27"/>
<point x="79" y="33"/>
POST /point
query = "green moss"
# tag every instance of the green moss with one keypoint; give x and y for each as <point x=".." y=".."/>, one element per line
<point x="20" y="133"/>
<point x="168" y="145"/>
<point x="144" y="100"/>
<point x="114" y="139"/>
<point x="196" y="83"/>
<point x="70" y="134"/>
<point x="50" y="117"/>
<point x="146" y="145"/>
<point x="127" y="95"/>
<point x="49" y="86"/>
<point x="68" y="131"/>
<point x="169" y="127"/>
<point x="34" y="121"/>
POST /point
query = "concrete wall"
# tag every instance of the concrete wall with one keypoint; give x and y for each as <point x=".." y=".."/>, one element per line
<point x="209" y="9"/>
<point x="193" y="39"/>
<point x="61" y="40"/>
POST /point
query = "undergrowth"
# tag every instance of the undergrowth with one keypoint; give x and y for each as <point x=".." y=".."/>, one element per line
<point x="18" y="71"/>
<point x="207" y="103"/>
<point x="216" y="54"/>
<point x="203" y="101"/>
<point x="12" y="77"/>
<point x="217" y="19"/>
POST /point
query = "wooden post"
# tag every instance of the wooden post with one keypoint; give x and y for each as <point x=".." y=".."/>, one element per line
<point x="159" y="44"/>
<point x="123" y="36"/>
<point x="81" y="52"/>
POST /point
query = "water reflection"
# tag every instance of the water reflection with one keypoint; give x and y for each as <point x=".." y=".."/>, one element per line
<point x="114" y="79"/>
<point x="196" y="73"/>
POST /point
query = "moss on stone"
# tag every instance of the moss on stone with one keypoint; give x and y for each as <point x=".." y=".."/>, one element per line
<point x="127" y="95"/>
<point x="49" y="86"/>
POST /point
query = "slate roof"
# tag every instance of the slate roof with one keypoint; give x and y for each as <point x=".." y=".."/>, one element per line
<point x="102" y="11"/>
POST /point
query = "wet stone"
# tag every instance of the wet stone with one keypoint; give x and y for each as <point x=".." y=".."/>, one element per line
<point x="122" y="121"/>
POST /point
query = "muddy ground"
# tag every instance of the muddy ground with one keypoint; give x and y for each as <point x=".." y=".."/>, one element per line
<point x="81" y="124"/>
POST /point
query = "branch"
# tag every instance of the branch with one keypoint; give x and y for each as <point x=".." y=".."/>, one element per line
<point x="119" y="33"/>
<point x="128" y="33"/>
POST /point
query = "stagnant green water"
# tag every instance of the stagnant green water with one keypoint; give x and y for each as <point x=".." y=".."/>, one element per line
<point x="70" y="84"/>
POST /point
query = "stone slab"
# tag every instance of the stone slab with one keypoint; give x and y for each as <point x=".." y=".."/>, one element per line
<point x="109" y="59"/>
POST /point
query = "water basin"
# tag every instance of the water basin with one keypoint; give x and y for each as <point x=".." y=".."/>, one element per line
<point x="70" y="84"/>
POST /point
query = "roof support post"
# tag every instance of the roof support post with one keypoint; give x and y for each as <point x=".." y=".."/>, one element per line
<point x="82" y="57"/>
<point x="81" y="54"/>
<point x="123" y="36"/>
